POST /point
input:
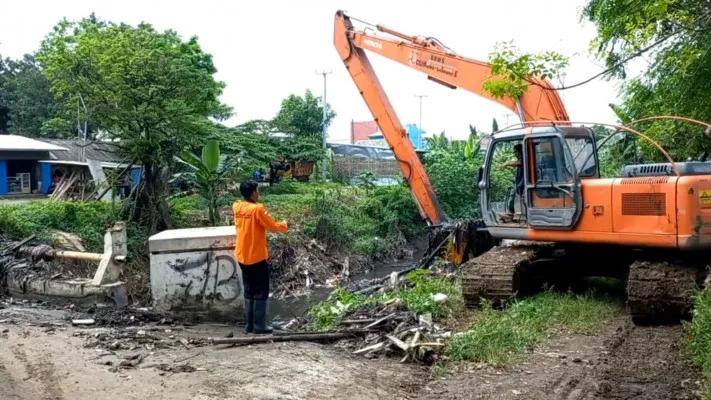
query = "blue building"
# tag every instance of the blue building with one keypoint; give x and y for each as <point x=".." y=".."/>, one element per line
<point x="20" y="170"/>
<point x="413" y="131"/>
<point x="28" y="166"/>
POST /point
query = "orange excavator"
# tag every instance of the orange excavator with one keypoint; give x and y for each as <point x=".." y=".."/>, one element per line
<point x="650" y="226"/>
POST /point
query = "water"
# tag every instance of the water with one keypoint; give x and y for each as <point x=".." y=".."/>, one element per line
<point x="288" y="308"/>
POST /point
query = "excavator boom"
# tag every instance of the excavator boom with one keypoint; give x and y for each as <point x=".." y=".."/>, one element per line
<point x="441" y="65"/>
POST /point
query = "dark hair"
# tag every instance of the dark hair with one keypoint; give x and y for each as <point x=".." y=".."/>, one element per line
<point x="247" y="188"/>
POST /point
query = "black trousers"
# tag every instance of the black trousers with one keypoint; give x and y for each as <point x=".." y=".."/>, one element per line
<point x="255" y="279"/>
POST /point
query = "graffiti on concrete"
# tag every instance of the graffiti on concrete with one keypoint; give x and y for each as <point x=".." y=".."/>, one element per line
<point x="219" y="278"/>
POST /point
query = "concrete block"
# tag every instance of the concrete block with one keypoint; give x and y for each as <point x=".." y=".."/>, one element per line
<point x="194" y="274"/>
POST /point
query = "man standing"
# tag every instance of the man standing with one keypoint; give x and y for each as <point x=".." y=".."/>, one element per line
<point x="252" y="222"/>
<point x="518" y="188"/>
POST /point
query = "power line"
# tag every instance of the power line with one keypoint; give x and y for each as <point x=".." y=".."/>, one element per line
<point x="626" y="59"/>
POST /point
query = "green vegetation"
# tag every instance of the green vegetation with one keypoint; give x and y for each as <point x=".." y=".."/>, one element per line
<point x="417" y="297"/>
<point x="88" y="221"/>
<point x="208" y="173"/>
<point x="500" y="337"/>
<point x="698" y="339"/>
<point x="673" y="35"/>
<point x="344" y="218"/>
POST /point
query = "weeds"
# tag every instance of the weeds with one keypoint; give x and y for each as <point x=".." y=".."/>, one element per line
<point x="501" y="337"/>
<point x="698" y="339"/>
<point x="88" y="220"/>
<point x="418" y="297"/>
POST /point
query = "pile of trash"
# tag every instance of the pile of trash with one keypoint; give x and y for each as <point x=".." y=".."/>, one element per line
<point x="380" y="328"/>
<point x="394" y="330"/>
<point x="298" y="266"/>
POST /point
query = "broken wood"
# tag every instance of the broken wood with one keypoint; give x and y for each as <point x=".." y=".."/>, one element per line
<point x="380" y="321"/>
<point x="399" y="343"/>
<point x="88" y="321"/>
<point x="368" y="349"/>
<point x="17" y="245"/>
<point x="357" y="321"/>
<point x="288" y="337"/>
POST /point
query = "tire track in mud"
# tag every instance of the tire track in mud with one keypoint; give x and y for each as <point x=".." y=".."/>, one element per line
<point x="624" y="361"/>
<point x="43" y="371"/>
<point x="7" y="383"/>
<point x="646" y="363"/>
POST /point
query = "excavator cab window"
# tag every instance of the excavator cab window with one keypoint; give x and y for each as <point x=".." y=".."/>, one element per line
<point x="582" y="148"/>
<point x="552" y="189"/>
<point x="499" y="180"/>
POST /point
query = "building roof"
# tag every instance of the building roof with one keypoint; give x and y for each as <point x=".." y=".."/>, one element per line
<point x="361" y="130"/>
<point x="99" y="151"/>
<point x="22" y="143"/>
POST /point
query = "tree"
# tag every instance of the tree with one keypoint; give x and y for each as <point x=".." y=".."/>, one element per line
<point x="151" y="90"/>
<point x="301" y="119"/>
<point x="251" y="142"/>
<point x="302" y="115"/>
<point x="26" y="104"/>
<point x="674" y="34"/>
<point x="494" y="126"/>
<point x="208" y="173"/>
<point x="511" y="70"/>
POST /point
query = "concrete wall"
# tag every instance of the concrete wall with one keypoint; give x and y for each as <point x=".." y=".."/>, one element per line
<point x="194" y="274"/>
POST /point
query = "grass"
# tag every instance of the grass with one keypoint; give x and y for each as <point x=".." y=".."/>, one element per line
<point x="418" y="297"/>
<point x="500" y="337"/>
<point x="698" y="337"/>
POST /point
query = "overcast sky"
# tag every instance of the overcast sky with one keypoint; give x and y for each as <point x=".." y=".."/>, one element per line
<point x="266" y="51"/>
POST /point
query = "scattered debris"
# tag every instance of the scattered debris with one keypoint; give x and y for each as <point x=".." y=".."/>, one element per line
<point x="398" y="331"/>
<point x="301" y="336"/>
<point x="187" y="368"/>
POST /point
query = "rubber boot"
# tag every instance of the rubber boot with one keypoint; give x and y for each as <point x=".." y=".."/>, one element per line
<point x="260" y="317"/>
<point x="248" y="316"/>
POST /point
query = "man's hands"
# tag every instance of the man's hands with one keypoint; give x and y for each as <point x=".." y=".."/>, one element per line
<point x="510" y="163"/>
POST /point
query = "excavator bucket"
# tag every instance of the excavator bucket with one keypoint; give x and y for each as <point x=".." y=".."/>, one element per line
<point x="462" y="240"/>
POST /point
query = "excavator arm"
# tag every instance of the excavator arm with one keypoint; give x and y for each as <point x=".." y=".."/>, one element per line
<point x="442" y="66"/>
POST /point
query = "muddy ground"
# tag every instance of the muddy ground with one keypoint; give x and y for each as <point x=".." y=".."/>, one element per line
<point x="42" y="356"/>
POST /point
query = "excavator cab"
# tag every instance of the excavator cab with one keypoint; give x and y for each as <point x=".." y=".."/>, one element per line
<point x="547" y="194"/>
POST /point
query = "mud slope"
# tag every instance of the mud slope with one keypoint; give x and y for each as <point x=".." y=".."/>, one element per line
<point x="623" y="362"/>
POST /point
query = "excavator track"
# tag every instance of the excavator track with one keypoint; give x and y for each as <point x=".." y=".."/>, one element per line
<point x="659" y="290"/>
<point x="497" y="274"/>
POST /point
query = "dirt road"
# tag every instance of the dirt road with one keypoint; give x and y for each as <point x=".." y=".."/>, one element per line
<point x="624" y="362"/>
<point x="43" y="358"/>
<point x="55" y="363"/>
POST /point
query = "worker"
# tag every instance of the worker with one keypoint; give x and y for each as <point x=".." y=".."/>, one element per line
<point x="518" y="185"/>
<point x="252" y="221"/>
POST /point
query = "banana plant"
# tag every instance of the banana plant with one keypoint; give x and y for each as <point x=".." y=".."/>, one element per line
<point x="207" y="173"/>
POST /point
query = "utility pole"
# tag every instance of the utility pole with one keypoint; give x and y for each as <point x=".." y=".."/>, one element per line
<point x="420" y="96"/>
<point x="324" y="168"/>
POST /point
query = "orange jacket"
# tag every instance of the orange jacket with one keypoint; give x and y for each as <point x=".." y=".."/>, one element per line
<point x="252" y="222"/>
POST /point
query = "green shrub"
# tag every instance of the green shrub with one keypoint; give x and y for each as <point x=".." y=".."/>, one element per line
<point x="454" y="180"/>
<point x="88" y="220"/>
<point x="698" y="338"/>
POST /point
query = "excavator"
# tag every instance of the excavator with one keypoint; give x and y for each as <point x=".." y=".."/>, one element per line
<point x="651" y="226"/>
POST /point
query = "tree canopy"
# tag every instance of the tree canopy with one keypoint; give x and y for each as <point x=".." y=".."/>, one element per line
<point x="26" y="105"/>
<point x="674" y="35"/>
<point x="152" y="90"/>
